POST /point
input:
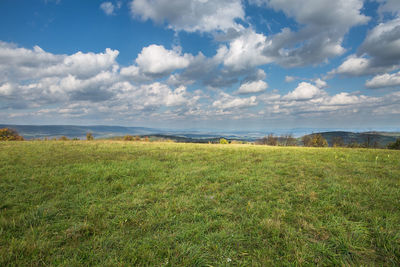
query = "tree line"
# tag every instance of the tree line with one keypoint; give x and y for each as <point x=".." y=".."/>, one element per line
<point x="313" y="140"/>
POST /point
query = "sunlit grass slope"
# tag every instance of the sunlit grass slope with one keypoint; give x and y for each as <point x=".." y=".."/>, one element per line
<point x="125" y="203"/>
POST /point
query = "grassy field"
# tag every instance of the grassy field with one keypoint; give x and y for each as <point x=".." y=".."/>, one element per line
<point x="125" y="203"/>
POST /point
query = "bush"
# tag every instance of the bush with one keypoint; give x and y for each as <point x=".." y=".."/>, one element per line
<point x="314" y="140"/>
<point x="223" y="141"/>
<point x="89" y="136"/>
<point x="307" y="140"/>
<point x="395" y="145"/>
<point x="63" y="138"/>
<point x="7" y="134"/>
<point x="128" y="138"/>
<point x="319" y="141"/>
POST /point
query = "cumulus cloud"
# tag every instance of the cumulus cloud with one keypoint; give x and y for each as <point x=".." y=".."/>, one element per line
<point x="20" y="63"/>
<point x="190" y="15"/>
<point x="227" y="102"/>
<point x="382" y="43"/>
<point x="320" y="83"/>
<point x="156" y="60"/>
<point x="344" y="99"/>
<point x="354" y="65"/>
<point x="244" y="52"/>
<point x="323" y="24"/>
<point x="211" y="73"/>
<point x="108" y="8"/>
<point x="153" y="96"/>
<point x="384" y="80"/>
<point x="34" y="78"/>
<point x="380" y="51"/>
<point x="303" y="91"/>
<point x="315" y="104"/>
<point x="252" y="87"/>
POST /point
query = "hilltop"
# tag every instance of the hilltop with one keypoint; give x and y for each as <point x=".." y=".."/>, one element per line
<point x="140" y="203"/>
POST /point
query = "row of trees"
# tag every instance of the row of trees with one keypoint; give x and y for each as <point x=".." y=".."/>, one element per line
<point x="283" y="140"/>
<point x="313" y="140"/>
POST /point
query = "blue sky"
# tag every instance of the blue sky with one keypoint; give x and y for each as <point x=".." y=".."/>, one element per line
<point x="219" y="64"/>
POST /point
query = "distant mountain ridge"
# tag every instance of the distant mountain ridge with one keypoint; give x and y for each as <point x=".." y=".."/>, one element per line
<point x="382" y="139"/>
<point x="71" y="131"/>
<point x="103" y="131"/>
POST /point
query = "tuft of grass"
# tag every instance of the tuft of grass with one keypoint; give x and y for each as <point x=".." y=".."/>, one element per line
<point x="117" y="203"/>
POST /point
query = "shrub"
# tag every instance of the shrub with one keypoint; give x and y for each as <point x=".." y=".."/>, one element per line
<point x="137" y="138"/>
<point x="319" y="141"/>
<point x="63" y="138"/>
<point x="89" y="136"/>
<point x="223" y="141"/>
<point x="314" y="140"/>
<point x="307" y="140"/>
<point x="128" y="138"/>
<point x="146" y="139"/>
<point x="7" y="134"/>
<point x="395" y="145"/>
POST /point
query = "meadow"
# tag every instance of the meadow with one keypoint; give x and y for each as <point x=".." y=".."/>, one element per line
<point x="116" y="203"/>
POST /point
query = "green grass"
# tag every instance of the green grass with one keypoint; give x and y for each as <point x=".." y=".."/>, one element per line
<point x="127" y="203"/>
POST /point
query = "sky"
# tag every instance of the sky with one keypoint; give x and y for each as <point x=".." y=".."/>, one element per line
<point x="201" y="64"/>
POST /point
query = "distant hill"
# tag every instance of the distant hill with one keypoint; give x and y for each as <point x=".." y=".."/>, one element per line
<point x="187" y="136"/>
<point x="113" y="132"/>
<point x="382" y="139"/>
<point x="71" y="131"/>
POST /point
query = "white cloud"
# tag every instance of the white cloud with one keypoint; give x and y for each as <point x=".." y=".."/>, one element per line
<point x="155" y="59"/>
<point x="354" y="65"/>
<point x="380" y="51"/>
<point x="227" y="101"/>
<point x="130" y="71"/>
<point x="382" y="43"/>
<point x="21" y="63"/>
<point x="289" y="79"/>
<point x="344" y="99"/>
<point x="190" y="15"/>
<point x="244" y="52"/>
<point x="384" y="80"/>
<point x="322" y="26"/>
<point x="252" y="87"/>
<point x="6" y="89"/>
<point x="320" y="83"/>
<point x="303" y="91"/>
<point x="108" y="8"/>
<point x="152" y="96"/>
